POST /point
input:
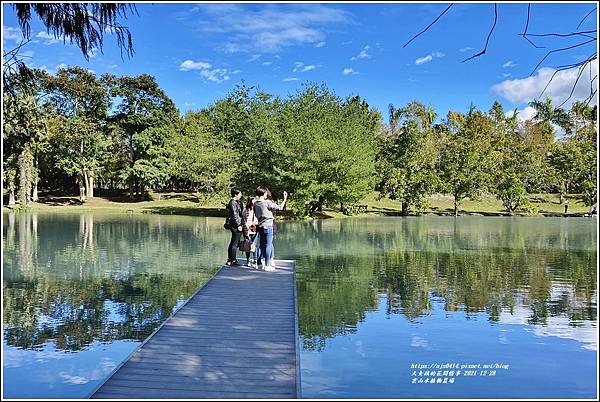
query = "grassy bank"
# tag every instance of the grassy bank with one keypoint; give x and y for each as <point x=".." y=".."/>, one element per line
<point x="192" y="204"/>
<point x="442" y="204"/>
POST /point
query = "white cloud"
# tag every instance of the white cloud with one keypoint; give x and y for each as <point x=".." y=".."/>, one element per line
<point x="527" y="89"/>
<point x="254" y="57"/>
<point x="465" y="49"/>
<point x="428" y="58"/>
<point x="418" y="342"/>
<point x="301" y="67"/>
<point x="46" y="38"/>
<point x="14" y="34"/>
<point x="61" y="65"/>
<point x="27" y="54"/>
<point x="217" y="75"/>
<point x="194" y="65"/>
<point x="349" y="71"/>
<point x="422" y="60"/>
<point x="73" y="379"/>
<point x="290" y="79"/>
<point x="506" y="75"/>
<point x="268" y="28"/>
<point x="364" y="54"/>
<point x="509" y="64"/>
<point x="320" y="44"/>
<point x="93" y="52"/>
<point x="236" y="71"/>
<point x="267" y="63"/>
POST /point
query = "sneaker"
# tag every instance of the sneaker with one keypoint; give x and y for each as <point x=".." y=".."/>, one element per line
<point x="236" y="262"/>
<point x="270" y="268"/>
<point x="252" y="265"/>
<point x="228" y="263"/>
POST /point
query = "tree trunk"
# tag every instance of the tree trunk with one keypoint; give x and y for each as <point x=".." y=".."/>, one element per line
<point x="25" y="161"/>
<point x="455" y="206"/>
<point x="11" y="198"/>
<point x="90" y="186"/>
<point x="404" y="208"/>
<point x="81" y="189"/>
<point x="34" y="195"/>
<point x="320" y="203"/>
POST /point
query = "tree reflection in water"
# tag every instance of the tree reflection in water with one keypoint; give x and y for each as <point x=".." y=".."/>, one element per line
<point x="504" y="270"/>
<point x="105" y="280"/>
<point x="76" y="279"/>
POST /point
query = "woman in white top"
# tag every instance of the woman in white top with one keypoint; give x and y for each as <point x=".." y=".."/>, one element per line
<point x="250" y="223"/>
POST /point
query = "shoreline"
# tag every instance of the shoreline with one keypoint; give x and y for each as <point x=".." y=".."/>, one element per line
<point x="194" y="204"/>
<point x="327" y="214"/>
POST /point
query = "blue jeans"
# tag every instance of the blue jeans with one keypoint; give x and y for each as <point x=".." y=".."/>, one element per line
<point x="266" y="243"/>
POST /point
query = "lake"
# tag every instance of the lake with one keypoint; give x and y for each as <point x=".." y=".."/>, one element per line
<point x="390" y="307"/>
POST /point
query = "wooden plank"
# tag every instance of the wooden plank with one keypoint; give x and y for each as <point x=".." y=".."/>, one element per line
<point x="150" y="393"/>
<point x="235" y="338"/>
<point x="233" y="376"/>
<point x="183" y="369"/>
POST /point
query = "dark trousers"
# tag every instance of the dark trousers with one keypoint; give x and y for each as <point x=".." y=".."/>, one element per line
<point x="233" y="245"/>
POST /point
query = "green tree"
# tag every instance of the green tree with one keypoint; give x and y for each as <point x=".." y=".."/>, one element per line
<point x="81" y="100"/>
<point x="328" y="148"/>
<point x="407" y="156"/>
<point x="23" y="129"/>
<point x="140" y="105"/>
<point x="465" y="162"/>
<point x="200" y="156"/>
<point x="247" y="119"/>
<point x="511" y="191"/>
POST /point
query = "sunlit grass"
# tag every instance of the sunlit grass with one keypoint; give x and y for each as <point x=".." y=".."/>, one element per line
<point x="195" y="204"/>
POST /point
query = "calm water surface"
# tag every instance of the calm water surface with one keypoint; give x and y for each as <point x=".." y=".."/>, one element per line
<point x="384" y="302"/>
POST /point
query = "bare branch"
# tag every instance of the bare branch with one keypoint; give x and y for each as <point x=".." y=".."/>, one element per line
<point x="562" y="35"/>
<point x="527" y="23"/>
<point x="429" y="26"/>
<point x="488" y="37"/>
<point x="534" y="45"/>
<point x="583" y="19"/>
<point x="589" y="98"/>
<point x="560" y="50"/>
<point x="568" y="67"/>
<point x="527" y="26"/>
<point x="581" y="68"/>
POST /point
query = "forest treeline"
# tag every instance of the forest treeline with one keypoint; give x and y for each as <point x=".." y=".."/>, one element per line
<point x="75" y="131"/>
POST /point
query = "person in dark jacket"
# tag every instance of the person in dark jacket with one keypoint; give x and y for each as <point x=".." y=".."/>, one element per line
<point x="235" y="226"/>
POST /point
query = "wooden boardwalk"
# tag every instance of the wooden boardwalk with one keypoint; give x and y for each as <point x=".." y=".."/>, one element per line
<point x="236" y="337"/>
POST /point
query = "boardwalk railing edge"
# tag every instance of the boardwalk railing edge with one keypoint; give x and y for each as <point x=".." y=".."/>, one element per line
<point x="297" y="337"/>
<point x="108" y="377"/>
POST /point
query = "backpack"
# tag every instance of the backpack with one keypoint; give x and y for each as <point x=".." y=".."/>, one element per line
<point x="226" y="224"/>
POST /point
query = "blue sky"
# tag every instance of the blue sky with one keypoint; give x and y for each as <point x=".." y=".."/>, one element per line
<point x="199" y="52"/>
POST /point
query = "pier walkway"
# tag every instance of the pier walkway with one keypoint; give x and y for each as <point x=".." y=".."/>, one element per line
<point x="236" y="337"/>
